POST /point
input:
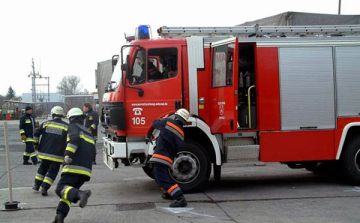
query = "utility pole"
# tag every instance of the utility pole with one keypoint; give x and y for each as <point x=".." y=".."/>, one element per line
<point x="339" y="7"/>
<point x="46" y="99"/>
<point x="33" y="76"/>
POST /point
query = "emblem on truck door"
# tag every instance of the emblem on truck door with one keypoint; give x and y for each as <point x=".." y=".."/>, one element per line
<point x="137" y="111"/>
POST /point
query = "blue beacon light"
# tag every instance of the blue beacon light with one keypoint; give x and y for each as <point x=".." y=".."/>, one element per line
<point x="143" y="32"/>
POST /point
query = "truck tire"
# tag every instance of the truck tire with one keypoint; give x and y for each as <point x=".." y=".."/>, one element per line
<point x="148" y="171"/>
<point x="191" y="168"/>
<point x="350" y="161"/>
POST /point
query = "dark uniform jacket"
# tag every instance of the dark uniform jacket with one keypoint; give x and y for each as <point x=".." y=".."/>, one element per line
<point x="81" y="149"/>
<point x="169" y="141"/>
<point x="92" y="121"/>
<point x="53" y="140"/>
<point x="27" y="127"/>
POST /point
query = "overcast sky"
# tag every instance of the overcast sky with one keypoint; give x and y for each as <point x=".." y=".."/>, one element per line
<point x="70" y="37"/>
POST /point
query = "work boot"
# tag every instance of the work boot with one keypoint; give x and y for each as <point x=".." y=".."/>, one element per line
<point x="59" y="218"/>
<point x="43" y="191"/>
<point x="83" y="197"/>
<point x="26" y="163"/>
<point x="36" y="187"/>
<point x="36" y="163"/>
<point x="166" y="196"/>
<point x="179" y="202"/>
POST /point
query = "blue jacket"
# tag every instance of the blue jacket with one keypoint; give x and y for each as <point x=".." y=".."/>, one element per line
<point x="53" y="140"/>
<point x="27" y="127"/>
<point x="81" y="149"/>
<point x="169" y="141"/>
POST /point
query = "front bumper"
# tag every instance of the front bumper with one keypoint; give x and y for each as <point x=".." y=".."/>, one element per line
<point x="112" y="151"/>
<point x="133" y="152"/>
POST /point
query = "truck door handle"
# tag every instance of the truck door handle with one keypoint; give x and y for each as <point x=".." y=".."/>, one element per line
<point x="308" y="127"/>
<point x="232" y="124"/>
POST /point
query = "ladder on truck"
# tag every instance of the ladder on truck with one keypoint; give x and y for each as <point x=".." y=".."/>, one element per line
<point x="260" y="31"/>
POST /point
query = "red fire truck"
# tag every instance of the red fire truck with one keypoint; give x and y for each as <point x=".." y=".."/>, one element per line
<point x="269" y="94"/>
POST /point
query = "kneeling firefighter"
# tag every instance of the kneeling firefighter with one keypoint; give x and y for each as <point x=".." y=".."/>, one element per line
<point x="51" y="149"/>
<point x="79" y="154"/>
<point x="168" y="143"/>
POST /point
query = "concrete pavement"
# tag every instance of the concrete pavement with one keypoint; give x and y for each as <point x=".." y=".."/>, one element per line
<point x="271" y="193"/>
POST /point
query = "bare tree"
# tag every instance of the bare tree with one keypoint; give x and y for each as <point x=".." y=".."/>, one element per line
<point x="69" y="85"/>
<point x="86" y="92"/>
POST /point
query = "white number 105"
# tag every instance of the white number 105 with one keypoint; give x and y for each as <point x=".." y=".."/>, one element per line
<point x="138" y="121"/>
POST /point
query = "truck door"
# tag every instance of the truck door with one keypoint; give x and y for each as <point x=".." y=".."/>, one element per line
<point x="224" y="85"/>
<point x="161" y="82"/>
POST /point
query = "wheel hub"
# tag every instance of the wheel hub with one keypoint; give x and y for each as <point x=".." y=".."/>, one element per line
<point x="186" y="167"/>
<point x="357" y="160"/>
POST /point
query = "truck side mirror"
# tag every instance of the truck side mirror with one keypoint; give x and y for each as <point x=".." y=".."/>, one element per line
<point x="114" y="61"/>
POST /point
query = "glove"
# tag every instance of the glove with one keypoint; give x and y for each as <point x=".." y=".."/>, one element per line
<point x="89" y="129"/>
<point x="150" y="138"/>
<point x="67" y="160"/>
<point x="23" y="137"/>
<point x="37" y="124"/>
<point x="36" y="146"/>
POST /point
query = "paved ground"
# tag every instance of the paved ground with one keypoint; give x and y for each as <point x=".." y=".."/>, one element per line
<point x="271" y="193"/>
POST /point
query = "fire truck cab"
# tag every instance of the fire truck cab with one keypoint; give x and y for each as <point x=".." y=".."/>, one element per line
<point x="269" y="94"/>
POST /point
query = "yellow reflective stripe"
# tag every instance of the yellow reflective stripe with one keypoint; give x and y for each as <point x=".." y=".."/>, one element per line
<point x="71" y="149"/>
<point x="51" y="159"/>
<point x="39" y="178"/>
<point x="22" y="131"/>
<point x="29" y="140"/>
<point x="67" y="139"/>
<point x="93" y="126"/>
<point x="83" y="172"/>
<point x="67" y="191"/>
<point x="33" y="154"/>
<point x="87" y="139"/>
<point x="66" y="201"/>
<point x="26" y="154"/>
<point x="28" y="121"/>
<point x="56" y="126"/>
<point x="48" y="182"/>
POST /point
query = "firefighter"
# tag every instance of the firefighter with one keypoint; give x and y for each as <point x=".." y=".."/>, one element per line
<point x="51" y="149"/>
<point x="169" y="141"/>
<point x="91" y="123"/>
<point x="27" y="127"/>
<point x="79" y="154"/>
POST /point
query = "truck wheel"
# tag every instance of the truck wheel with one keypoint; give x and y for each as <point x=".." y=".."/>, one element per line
<point x="148" y="171"/>
<point x="191" y="168"/>
<point x="350" y="161"/>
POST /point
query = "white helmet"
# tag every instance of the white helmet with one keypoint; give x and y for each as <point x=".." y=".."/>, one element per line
<point x="74" y="112"/>
<point x="183" y="114"/>
<point x="57" y="111"/>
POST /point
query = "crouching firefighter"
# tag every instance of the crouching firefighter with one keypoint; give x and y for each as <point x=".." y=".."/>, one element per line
<point x="51" y="149"/>
<point x="169" y="141"/>
<point x="79" y="154"/>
